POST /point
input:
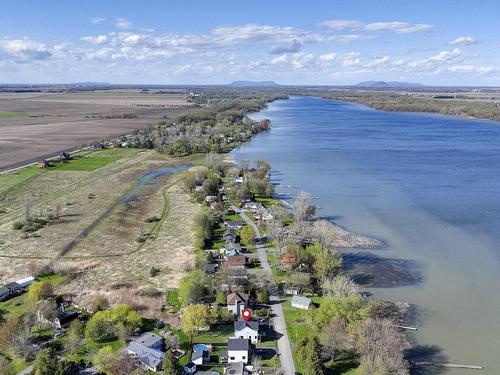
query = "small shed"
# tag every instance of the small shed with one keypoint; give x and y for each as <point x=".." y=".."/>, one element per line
<point x="42" y="163"/>
<point x="26" y="281"/>
<point x="300" y="302"/>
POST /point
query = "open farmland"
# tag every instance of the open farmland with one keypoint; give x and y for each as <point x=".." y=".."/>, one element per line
<point x="37" y="125"/>
<point x="99" y="227"/>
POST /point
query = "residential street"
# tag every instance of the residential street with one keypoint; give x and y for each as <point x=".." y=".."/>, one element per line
<point x="284" y="346"/>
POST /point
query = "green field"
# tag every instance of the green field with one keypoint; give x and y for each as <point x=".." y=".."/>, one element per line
<point x="84" y="164"/>
<point x="11" y="114"/>
<point x="9" y="180"/>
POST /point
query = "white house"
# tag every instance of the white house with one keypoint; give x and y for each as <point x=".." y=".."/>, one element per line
<point x="247" y="330"/>
<point x="201" y="357"/>
<point x="26" y="281"/>
<point x="301" y="302"/>
<point x="236" y="302"/>
<point x="238" y="350"/>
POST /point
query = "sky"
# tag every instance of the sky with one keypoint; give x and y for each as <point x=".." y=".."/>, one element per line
<point x="444" y="42"/>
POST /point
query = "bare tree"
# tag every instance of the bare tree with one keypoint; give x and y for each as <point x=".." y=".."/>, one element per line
<point x="381" y="347"/>
<point x="302" y="208"/>
<point x="28" y="207"/>
<point x="323" y="232"/>
<point x="335" y="337"/>
<point x="339" y="286"/>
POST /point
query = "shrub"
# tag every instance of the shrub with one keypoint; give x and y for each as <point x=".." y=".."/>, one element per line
<point x="154" y="271"/>
<point x="152" y="219"/>
<point x="18" y="225"/>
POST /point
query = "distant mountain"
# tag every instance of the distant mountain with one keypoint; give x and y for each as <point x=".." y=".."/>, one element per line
<point x="382" y="84"/>
<point x="253" y="83"/>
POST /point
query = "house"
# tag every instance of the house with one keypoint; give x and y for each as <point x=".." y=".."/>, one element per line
<point x="214" y="205"/>
<point x="99" y="146"/>
<point x="236" y="368"/>
<point x="247" y="329"/>
<point x="301" y="302"/>
<point x="237" y="261"/>
<point x="65" y="317"/>
<point x="233" y="224"/>
<point x="236" y="302"/>
<point x="190" y="368"/>
<point x="24" y="283"/>
<point x="10" y="290"/>
<point x="207" y="373"/>
<point x="238" y="350"/>
<point x="150" y="340"/>
<point x="201" y="357"/>
<point x="229" y="236"/>
<point x="233" y="247"/>
<point x="42" y="163"/>
<point x="149" y="358"/>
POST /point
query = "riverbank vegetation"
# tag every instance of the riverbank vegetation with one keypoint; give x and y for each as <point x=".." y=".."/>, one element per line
<point x="395" y="102"/>
<point x="219" y="127"/>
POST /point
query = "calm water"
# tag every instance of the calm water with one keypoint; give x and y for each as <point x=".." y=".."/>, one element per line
<point x="427" y="185"/>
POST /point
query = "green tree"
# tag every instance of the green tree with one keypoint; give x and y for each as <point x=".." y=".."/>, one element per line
<point x="194" y="317"/>
<point x="108" y="324"/>
<point x="327" y="262"/>
<point x="353" y="308"/>
<point x="47" y="363"/>
<point x="220" y="298"/>
<point x="247" y="234"/>
<point x="192" y="287"/>
<point x="103" y="357"/>
<point x="75" y="335"/>
<point x="310" y="356"/>
<point x="263" y="296"/>
<point x="40" y="290"/>
<point x="170" y="364"/>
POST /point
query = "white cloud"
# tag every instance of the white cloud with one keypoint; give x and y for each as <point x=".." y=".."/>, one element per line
<point x="100" y="39"/>
<point x="23" y="50"/>
<point x="97" y="20"/>
<point x="463" y="41"/>
<point x="329" y="57"/>
<point x="474" y="69"/>
<point x="340" y="25"/>
<point x="396" y="26"/>
<point x="123" y="23"/>
<point x="294" y="46"/>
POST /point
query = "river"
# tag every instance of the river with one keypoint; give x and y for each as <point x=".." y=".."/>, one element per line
<point x="427" y="185"/>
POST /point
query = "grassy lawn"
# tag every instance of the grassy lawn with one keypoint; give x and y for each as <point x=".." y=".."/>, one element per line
<point x="11" y="114"/>
<point x="85" y="164"/>
<point x="88" y="348"/>
<point x="268" y="201"/>
<point x="17" y="306"/>
<point x="10" y="180"/>
<point x="173" y="298"/>
<point x="216" y="335"/>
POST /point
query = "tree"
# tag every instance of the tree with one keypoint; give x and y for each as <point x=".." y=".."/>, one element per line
<point x="352" y="308"/>
<point x="15" y="337"/>
<point x="263" y="296"/>
<point x="192" y="287"/>
<point x="108" y="324"/>
<point x="47" y="363"/>
<point x="339" y="286"/>
<point x="381" y="347"/>
<point x="75" y="335"/>
<point x="194" y="317"/>
<point x="309" y="354"/>
<point x="247" y="234"/>
<point x="170" y="364"/>
<point x="40" y="290"/>
<point x="327" y="263"/>
<point x="302" y="208"/>
<point x="335" y="337"/>
<point x="220" y="298"/>
<point x="102" y="358"/>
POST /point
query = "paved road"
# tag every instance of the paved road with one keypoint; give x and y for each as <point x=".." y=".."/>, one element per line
<point x="284" y="346"/>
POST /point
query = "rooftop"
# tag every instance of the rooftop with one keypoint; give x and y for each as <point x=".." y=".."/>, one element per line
<point x="236" y="297"/>
<point x="241" y="324"/>
<point x="148" y="339"/>
<point x="304" y="301"/>
<point x="238" y="344"/>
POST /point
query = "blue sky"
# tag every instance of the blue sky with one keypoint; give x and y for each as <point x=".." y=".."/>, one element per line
<point x="441" y="42"/>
